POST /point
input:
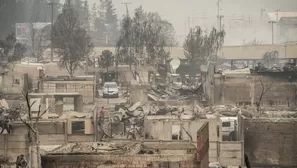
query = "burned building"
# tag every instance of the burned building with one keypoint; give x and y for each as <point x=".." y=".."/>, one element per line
<point x="246" y="89"/>
<point x="84" y="85"/>
<point x="228" y="153"/>
<point x="123" y="154"/>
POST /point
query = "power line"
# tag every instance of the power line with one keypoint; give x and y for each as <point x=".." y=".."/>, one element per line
<point x="272" y="32"/>
<point x="219" y="16"/>
<point x="126" y="3"/>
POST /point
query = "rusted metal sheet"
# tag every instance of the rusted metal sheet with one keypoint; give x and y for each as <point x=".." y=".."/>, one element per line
<point x="203" y="146"/>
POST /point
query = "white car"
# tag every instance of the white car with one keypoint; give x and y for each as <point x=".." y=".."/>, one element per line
<point x="110" y="89"/>
<point x="214" y="165"/>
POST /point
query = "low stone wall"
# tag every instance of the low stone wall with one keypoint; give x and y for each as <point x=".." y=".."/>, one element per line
<point x="119" y="161"/>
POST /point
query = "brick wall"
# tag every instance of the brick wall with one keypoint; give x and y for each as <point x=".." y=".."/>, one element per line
<point x="271" y="142"/>
<point x="203" y="146"/>
<point x="247" y="89"/>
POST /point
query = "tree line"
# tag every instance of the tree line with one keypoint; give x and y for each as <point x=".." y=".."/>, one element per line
<point x="140" y="39"/>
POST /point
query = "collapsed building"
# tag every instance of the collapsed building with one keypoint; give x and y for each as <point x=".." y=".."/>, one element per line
<point x="60" y="148"/>
<point x="246" y="89"/>
<point x="123" y="154"/>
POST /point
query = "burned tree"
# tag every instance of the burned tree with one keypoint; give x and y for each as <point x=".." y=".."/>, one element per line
<point x="142" y="41"/>
<point x="38" y="40"/>
<point x="270" y="58"/>
<point x="200" y="46"/>
<point x="254" y="42"/>
<point x="264" y="90"/>
<point x="71" y="42"/>
<point x="31" y="123"/>
<point x="11" y="51"/>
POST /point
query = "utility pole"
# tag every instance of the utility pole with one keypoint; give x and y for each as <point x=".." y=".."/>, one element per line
<point x="219" y="16"/>
<point x="130" y="63"/>
<point x="272" y="32"/>
<point x="189" y="22"/>
<point x="126" y="3"/>
<point x="220" y="22"/>
<point x="185" y="28"/>
<point x="277" y="19"/>
<point x="261" y="14"/>
<point x="193" y="19"/>
<point x="277" y="14"/>
<point x="286" y="49"/>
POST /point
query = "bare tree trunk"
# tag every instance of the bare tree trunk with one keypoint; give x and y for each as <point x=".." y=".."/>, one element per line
<point x="263" y="92"/>
<point x="34" y="149"/>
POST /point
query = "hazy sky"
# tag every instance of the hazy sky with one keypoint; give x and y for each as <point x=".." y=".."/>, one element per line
<point x="205" y="12"/>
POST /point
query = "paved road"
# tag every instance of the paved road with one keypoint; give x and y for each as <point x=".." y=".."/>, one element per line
<point x="110" y="101"/>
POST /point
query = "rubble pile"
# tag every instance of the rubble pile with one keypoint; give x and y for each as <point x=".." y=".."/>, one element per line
<point x="99" y="147"/>
<point x="165" y="92"/>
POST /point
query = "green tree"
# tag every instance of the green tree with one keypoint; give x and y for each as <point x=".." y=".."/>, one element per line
<point x="86" y="16"/>
<point x="79" y="9"/>
<point x="72" y="43"/>
<point x="201" y="46"/>
<point x="167" y="30"/>
<point x="111" y="21"/>
<point x="93" y="16"/>
<point x="106" y="24"/>
<point x="141" y="42"/>
<point x="11" y="51"/>
<point x="106" y="59"/>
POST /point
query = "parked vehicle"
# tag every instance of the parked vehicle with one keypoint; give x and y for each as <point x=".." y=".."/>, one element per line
<point x="215" y="165"/>
<point x="110" y="89"/>
<point x="229" y="127"/>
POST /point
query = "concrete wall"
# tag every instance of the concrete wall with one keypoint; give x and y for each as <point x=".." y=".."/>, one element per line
<point x="8" y="83"/>
<point x="270" y="142"/>
<point x="246" y="89"/>
<point x="162" y="130"/>
<point x="231" y="153"/>
<point x="85" y="88"/>
<point x="12" y="146"/>
<point x="203" y="146"/>
<point x="50" y="133"/>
